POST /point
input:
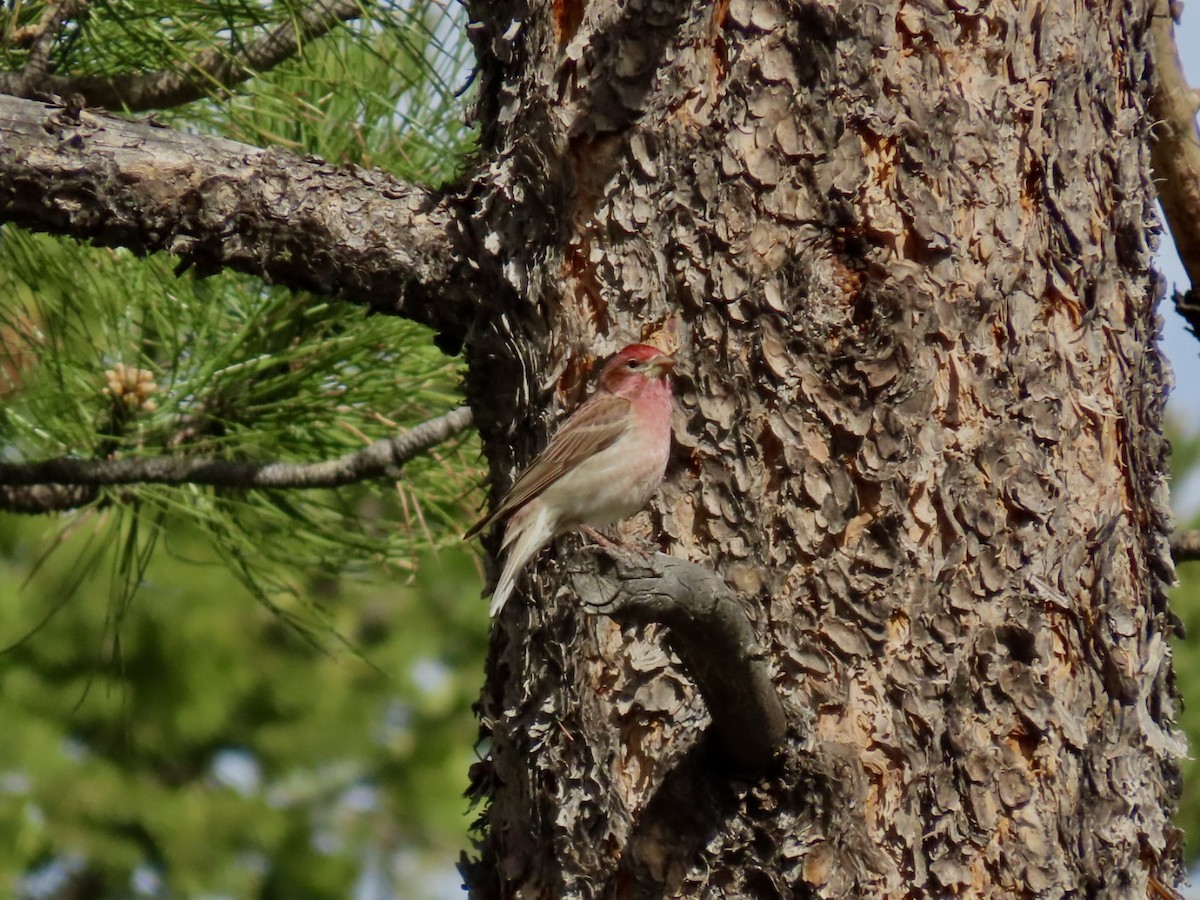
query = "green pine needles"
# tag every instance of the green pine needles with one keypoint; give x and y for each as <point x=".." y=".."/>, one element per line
<point x="107" y="356"/>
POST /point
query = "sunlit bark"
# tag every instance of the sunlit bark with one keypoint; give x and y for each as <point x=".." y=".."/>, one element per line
<point x="919" y="429"/>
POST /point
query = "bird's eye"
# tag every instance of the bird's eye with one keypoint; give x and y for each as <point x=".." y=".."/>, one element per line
<point x="633" y="364"/>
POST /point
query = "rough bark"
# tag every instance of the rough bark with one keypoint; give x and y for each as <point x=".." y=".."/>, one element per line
<point x="919" y="430"/>
<point x="295" y="221"/>
<point x="39" y="499"/>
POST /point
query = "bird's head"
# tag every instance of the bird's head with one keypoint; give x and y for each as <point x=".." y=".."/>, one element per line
<point x="631" y="369"/>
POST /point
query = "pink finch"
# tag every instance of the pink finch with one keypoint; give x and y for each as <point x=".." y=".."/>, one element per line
<point x="603" y="465"/>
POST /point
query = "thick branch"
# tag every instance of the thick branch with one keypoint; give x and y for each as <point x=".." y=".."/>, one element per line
<point x="1175" y="145"/>
<point x="295" y="221"/>
<point x="712" y="637"/>
<point x="137" y="91"/>
<point x="376" y="460"/>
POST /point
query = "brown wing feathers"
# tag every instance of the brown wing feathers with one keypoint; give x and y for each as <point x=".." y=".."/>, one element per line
<point x="593" y="427"/>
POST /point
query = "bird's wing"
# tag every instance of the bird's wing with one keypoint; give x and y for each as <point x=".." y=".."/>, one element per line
<point x="591" y="428"/>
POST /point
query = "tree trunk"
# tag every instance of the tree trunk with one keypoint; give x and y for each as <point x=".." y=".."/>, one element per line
<point x="918" y="430"/>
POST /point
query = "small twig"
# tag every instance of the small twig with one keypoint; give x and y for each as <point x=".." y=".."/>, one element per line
<point x="1185" y="546"/>
<point x="55" y="16"/>
<point x="710" y="633"/>
<point x="140" y="91"/>
<point x="1175" y="145"/>
<point x="1162" y="891"/>
<point x="30" y="483"/>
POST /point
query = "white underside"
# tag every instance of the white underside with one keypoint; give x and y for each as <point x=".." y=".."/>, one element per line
<point x="617" y="482"/>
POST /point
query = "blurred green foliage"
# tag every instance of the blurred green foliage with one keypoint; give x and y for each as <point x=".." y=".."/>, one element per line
<point x="192" y="739"/>
<point x="1185" y="600"/>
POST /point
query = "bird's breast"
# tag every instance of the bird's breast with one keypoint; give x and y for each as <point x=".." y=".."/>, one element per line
<point x="610" y="485"/>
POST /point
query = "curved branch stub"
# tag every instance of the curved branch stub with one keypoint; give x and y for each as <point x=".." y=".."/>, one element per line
<point x="710" y="633"/>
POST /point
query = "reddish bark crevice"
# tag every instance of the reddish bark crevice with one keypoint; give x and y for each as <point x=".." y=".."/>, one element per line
<point x="568" y="14"/>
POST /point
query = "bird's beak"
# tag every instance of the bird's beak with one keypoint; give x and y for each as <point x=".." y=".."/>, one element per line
<point x="660" y="365"/>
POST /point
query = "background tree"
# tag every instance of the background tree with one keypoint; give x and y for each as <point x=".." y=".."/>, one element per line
<point x="905" y="252"/>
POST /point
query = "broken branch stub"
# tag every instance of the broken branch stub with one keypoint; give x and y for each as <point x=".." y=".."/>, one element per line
<point x="710" y="633"/>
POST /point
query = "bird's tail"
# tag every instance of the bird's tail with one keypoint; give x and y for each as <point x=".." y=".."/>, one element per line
<point x="528" y="531"/>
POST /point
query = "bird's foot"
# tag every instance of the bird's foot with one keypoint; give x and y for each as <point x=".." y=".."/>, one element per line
<point x="623" y="547"/>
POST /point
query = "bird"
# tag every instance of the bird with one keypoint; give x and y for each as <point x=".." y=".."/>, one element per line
<point x="603" y="465"/>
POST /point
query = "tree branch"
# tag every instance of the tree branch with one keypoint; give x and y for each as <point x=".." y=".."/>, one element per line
<point x="215" y="203"/>
<point x="28" y="487"/>
<point x="1175" y="145"/>
<point x="711" y="635"/>
<point x="1185" y="546"/>
<point x="138" y="91"/>
<point x="43" y="36"/>
<point x="38" y="499"/>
